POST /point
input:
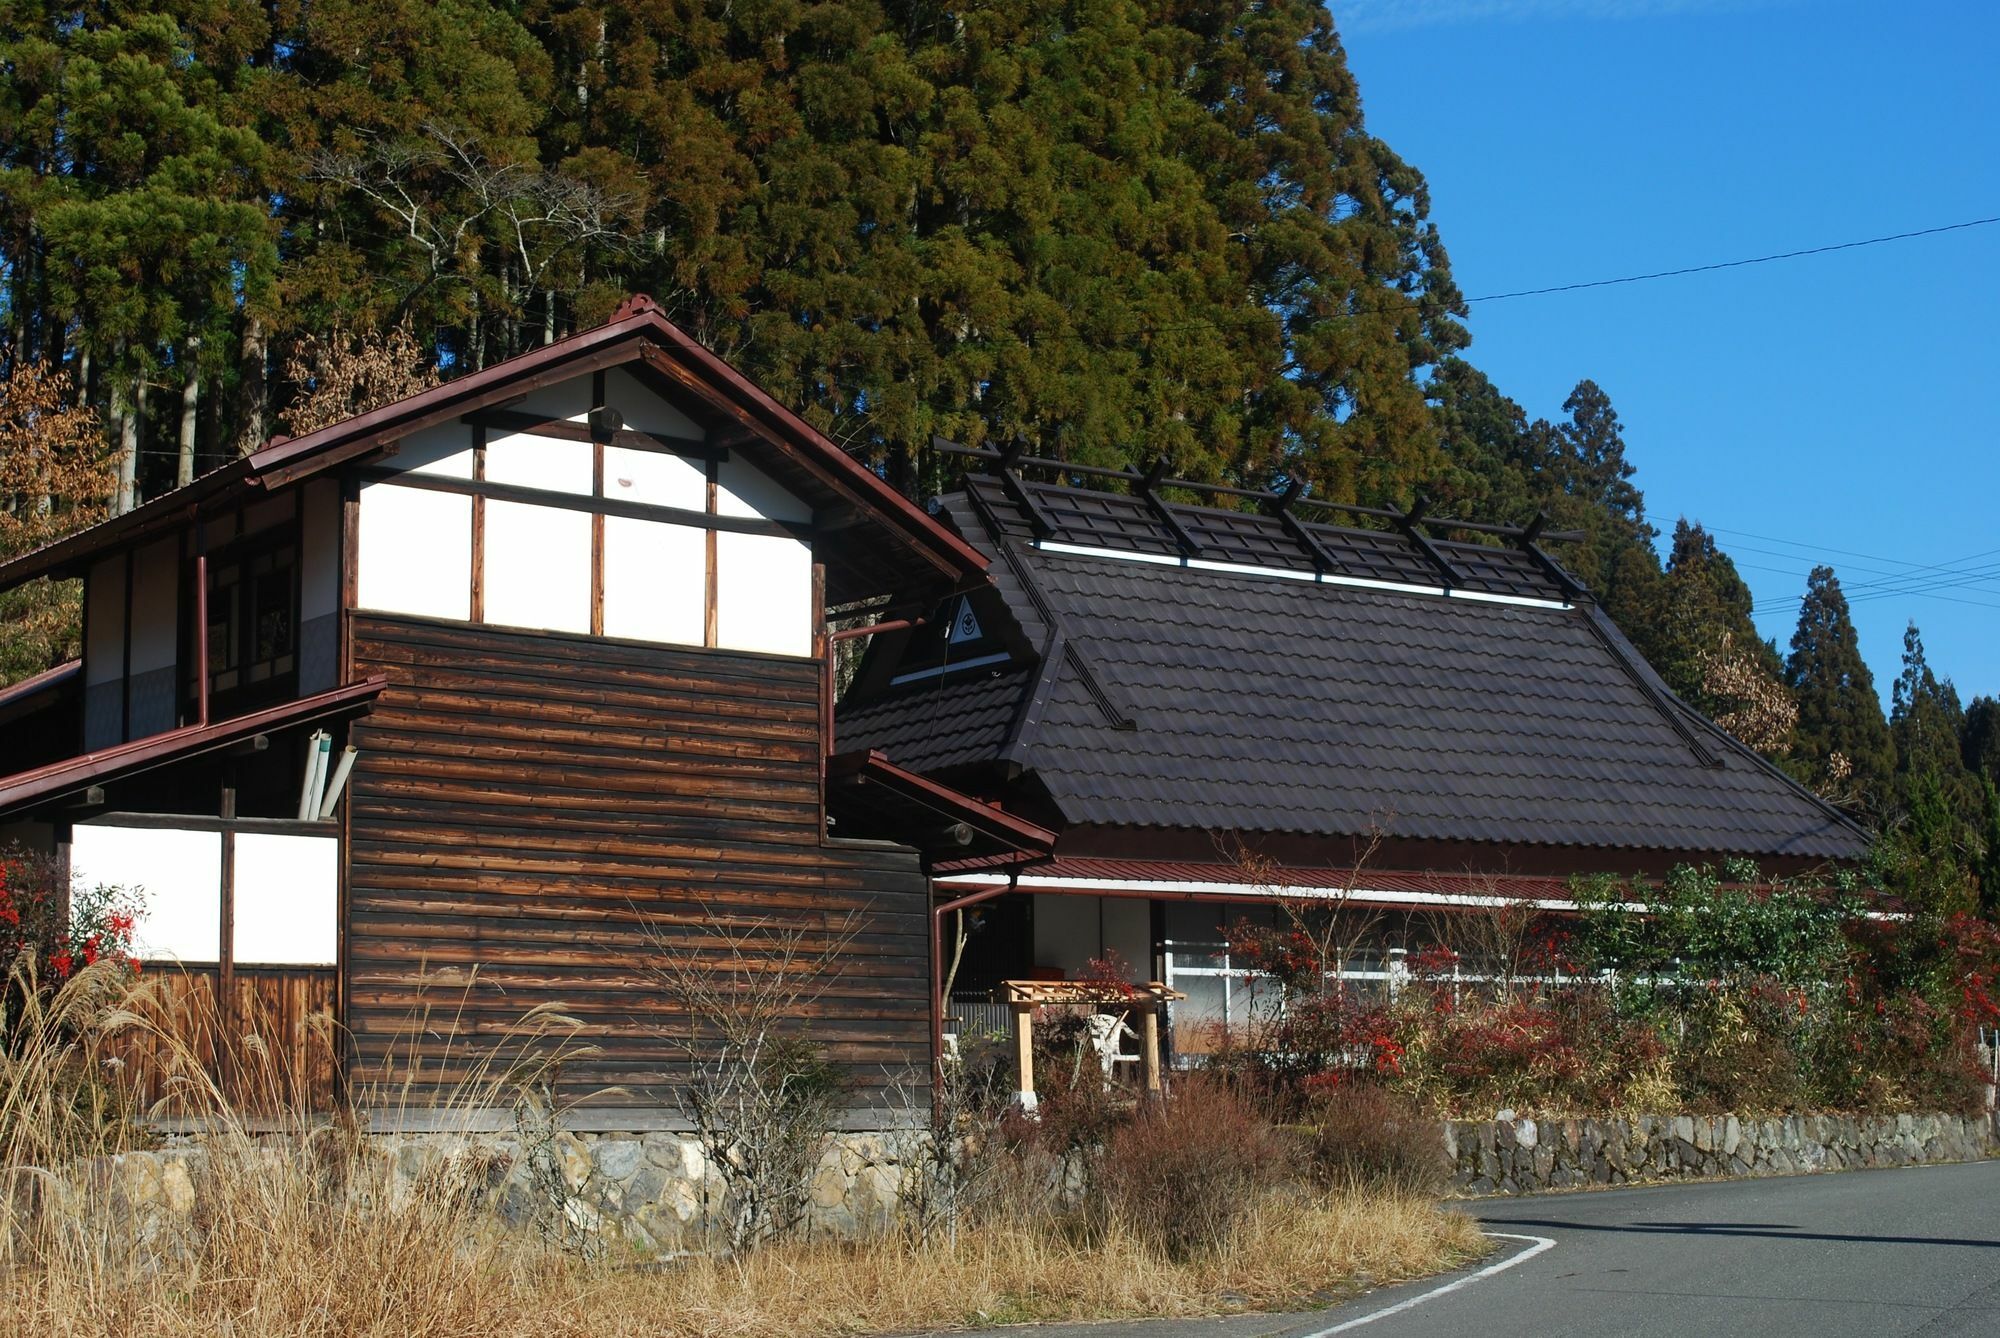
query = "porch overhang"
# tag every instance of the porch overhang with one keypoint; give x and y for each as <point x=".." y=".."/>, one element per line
<point x="868" y="791"/>
<point x="26" y="789"/>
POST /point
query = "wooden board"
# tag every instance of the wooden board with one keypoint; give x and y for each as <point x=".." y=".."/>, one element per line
<point x="538" y="820"/>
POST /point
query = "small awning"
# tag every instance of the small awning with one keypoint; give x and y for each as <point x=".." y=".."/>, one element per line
<point x="871" y="796"/>
<point x="72" y="774"/>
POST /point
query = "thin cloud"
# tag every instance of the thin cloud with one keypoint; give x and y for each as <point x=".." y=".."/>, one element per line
<point x="1353" y="16"/>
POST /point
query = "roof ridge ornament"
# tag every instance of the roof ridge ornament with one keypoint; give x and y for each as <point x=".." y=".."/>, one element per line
<point x="638" y="304"/>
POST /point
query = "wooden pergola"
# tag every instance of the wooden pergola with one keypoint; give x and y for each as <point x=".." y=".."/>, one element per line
<point x="1025" y="996"/>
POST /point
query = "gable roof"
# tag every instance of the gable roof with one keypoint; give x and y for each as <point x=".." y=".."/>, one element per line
<point x="1167" y="692"/>
<point x="888" y="540"/>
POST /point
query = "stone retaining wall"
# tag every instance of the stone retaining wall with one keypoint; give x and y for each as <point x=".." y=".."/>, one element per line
<point x="654" y="1193"/>
<point x="1518" y="1156"/>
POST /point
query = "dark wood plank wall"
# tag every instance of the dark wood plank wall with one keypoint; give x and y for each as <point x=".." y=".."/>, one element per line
<point x="186" y="1050"/>
<point x="537" y="817"/>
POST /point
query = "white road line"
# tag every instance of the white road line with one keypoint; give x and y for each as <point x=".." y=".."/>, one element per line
<point x="1539" y="1244"/>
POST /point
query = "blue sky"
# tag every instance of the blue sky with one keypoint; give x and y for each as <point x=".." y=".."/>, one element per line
<point x="1839" y="402"/>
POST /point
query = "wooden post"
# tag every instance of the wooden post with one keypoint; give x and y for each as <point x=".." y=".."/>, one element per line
<point x="1149" y="1048"/>
<point x="1024" y="1055"/>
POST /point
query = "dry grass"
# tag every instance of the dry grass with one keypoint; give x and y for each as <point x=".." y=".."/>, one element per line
<point x="321" y="1233"/>
<point x="286" y="1276"/>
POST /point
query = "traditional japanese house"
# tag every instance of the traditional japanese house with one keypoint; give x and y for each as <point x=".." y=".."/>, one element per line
<point x="487" y="699"/>
<point x="1222" y="701"/>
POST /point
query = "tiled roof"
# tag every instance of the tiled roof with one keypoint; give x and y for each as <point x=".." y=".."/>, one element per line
<point x="1204" y="698"/>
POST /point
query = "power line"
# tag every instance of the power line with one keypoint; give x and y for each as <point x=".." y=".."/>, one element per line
<point x="1737" y="264"/>
<point x="1418" y="303"/>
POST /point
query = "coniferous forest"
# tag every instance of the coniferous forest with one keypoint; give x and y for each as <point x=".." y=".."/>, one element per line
<point x="1110" y="230"/>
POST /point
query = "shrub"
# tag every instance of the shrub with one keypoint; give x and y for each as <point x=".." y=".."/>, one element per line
<point x="1183" y="1174"/>
<point x="1363" y="1136"/>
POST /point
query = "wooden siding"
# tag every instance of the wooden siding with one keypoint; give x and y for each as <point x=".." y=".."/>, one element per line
<point x="535" y="818"/>
<point x="181" y="1056"/>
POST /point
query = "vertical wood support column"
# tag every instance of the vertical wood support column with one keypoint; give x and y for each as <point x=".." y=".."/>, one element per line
<point x="478" y="527"/>
<point x="1024" y="1056"/>
<point x="709" y="612"/>
<point x="225" y="950"/>
<point x="1149" y="1048"/>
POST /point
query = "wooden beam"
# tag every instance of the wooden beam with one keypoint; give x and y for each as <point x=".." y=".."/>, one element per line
<point x="510" y="420"/>
<point x="1409" y="522"/>
<point x="1145" y="485"/>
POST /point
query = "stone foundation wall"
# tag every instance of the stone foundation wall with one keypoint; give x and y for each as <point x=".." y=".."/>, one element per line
<point x="1519" y="1156"/>
<point x="654" y="1194"/>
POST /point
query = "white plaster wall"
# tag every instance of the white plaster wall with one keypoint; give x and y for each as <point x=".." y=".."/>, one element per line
<point x="287" y="896"/>
<point x="655" y="478"/>
<point x="745" y="490"/>
<point x="177" y="876"/>
<point x="644" y="411"/>
<point x="537" y="567"/>
<point x="529" y="461"/>
<point x="566" y="399"/>
<point x="415" y="552"/>
<point x="655" y="581"/>
<point x="155" y="584"/>
<point x="445" y="449"/>
<point x="763" y="593"/>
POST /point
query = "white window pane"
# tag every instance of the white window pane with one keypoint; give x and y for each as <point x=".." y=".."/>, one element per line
<point x="763" y="593"/>
<point x="416" y="551"/>
<point x="528" y="461"/>
<point x="655" y="478"/>
<point x="537" y="567"/>
<point x="655" y="581"/>
<point x="745" y="490"/>
<point x="177" y="876"/>
<point x="287" y="897"/>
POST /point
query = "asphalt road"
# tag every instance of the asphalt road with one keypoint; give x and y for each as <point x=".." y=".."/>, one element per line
<point x="1832" y="1256"/>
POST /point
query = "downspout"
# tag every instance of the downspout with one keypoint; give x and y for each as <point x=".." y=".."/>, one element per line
<point x="826" y="671"/>
<point x="937" y="954"/>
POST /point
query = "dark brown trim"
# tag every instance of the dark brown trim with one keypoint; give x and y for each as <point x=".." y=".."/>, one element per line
<point x="225" y="949"/>
<point x="200" y="639"/>
<point x="509" y="420"/>
<point x="822" y="649"/>
<point x="477" y="602"/>
<point x="710" y="604"/>
<point x="125" y="670"/>
<point x="596" y="540"/>
<point x="572" y="501"/>
<point x="350" y="573"/>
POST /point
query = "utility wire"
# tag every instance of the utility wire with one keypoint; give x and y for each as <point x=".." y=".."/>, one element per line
<point x="1423" y="302"/>
<point x="1737" y="264"/>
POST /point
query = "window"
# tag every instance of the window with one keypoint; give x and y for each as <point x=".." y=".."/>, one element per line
<point x="253" y="623"/>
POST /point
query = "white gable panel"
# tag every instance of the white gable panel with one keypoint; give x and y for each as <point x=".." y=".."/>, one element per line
<point x="565" y="399"/>
<point x="655" y="478"/>
<point x="537" y="567"/>
<point x="763" y="593"/>
<point x="177" y="876"/>
<point x="645" y="411"/>
<point x="746" y="490"/>
<point x="287" y="890"/>
<point x="655" y="581"/>
<point x="445" y="450"/>
<point x="528" y="461"/>
<point x="416" y="551"/>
